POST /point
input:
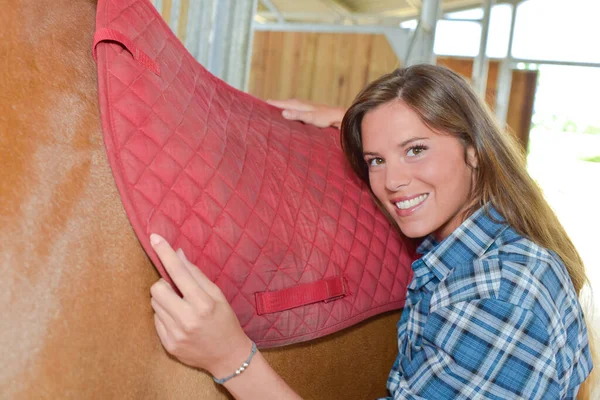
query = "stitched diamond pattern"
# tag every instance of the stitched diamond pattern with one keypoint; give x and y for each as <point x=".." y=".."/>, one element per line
<point x="257" y="202"/>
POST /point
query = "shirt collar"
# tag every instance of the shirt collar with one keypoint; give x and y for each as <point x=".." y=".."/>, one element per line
<point x="468" y="242"/>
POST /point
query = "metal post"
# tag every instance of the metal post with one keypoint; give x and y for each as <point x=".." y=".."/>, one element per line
<point x="175" y="13"/>
<point x="481" y="63"/>
<point x="158" y="5"/>
<point x="505" y="75"/>
<point x="240" y="44"/>
<point x="421" y="48"/>
<point x="218" y="40"/>
<point x="198" y="28"/>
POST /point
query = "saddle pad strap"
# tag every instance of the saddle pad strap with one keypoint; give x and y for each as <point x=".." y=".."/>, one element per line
<point x="307" y="293"/>
<point x="105" y="34"/>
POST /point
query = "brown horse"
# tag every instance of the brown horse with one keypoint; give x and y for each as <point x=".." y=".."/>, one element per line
<point x="76" y="315"/>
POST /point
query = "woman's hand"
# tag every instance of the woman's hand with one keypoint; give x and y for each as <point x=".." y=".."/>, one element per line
<point x="316" y="114"/>
<point x="200" y="329"/>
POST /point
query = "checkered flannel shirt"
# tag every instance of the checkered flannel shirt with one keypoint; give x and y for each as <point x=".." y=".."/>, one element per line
<point x="489" y="315"/>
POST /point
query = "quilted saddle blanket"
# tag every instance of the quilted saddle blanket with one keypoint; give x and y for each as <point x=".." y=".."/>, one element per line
<point x="267" y="208"/>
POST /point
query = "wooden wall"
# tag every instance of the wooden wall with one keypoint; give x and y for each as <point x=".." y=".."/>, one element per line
<point x="321" y="67"/>
<point x="332" y="68"/>
<point x="522" y="93"/>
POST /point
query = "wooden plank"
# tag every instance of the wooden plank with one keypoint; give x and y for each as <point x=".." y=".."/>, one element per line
<point x="462" y="66"/>
<point x="383" y="60"/>
<point x="522" y="93"/>
<point x="322" y="86"/>
<point x="184" y="9"/>
<point x="273" y="62"/>
<point x="492" y="84"/>
<point x="358" y="67"/>
<point x="256" y="85"/>
<point x="307" y="65"/>
<point x="166" y="10"/>
<point x="287" y="65"/>
<point x="520" y="105"/>
<point x="344" y="51"/>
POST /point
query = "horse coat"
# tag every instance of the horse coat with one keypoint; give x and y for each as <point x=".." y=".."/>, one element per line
<point x="267" y="208"/>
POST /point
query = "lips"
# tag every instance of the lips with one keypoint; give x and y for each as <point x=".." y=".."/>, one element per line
<point x="407" y="206"/>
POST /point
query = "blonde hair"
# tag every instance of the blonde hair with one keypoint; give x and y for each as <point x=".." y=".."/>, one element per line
<point x="446" y="103"/>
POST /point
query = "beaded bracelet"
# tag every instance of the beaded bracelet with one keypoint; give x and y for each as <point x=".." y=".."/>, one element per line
<point x="240" y="369"/>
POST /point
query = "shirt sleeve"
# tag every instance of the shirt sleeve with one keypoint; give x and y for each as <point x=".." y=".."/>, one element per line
<point x="482" y="349"/>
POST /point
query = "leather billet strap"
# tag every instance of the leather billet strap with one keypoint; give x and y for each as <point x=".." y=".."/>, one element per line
<point x="324" y="290"/>
<point x="105" y="34"/>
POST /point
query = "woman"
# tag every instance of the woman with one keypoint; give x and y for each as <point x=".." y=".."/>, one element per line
<point x="492" y="311"/>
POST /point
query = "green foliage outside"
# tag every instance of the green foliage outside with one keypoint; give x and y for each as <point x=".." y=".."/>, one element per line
<point x="562" y="124"/>
<point x="592" y="159"/>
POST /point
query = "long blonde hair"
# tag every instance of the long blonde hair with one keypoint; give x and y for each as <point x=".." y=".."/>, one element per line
<point x="446" y="103"/>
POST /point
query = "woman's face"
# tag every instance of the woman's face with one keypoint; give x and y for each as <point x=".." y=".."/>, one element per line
<point x="420" y="176"/>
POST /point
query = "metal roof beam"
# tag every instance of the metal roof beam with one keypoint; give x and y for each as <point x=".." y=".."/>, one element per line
<point x="326" y="28"/>
<point x="340" y="9"/>
<point x="315" y="17"/>
<point x="516" y="61"/>
<point x="274" y="10"/>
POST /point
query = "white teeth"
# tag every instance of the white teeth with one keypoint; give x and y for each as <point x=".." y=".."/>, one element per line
<point x="404" y="205"/>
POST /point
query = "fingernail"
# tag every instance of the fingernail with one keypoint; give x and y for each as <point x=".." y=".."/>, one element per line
<point x="155" y="239"/>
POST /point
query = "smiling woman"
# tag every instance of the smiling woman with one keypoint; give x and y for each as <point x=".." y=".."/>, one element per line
<point x="420" y="176"/>
<point x="496" y="264"/>
<point x="493" y="309"/>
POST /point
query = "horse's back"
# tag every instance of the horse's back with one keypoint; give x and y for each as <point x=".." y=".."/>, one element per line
<point x="77" y="321"/>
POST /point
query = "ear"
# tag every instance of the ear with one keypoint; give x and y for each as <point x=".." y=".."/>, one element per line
<point x="472" y="159"/>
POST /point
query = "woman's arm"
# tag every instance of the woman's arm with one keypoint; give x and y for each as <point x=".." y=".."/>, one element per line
<point x="310" y="113"/>
<point x="260" y="381"/>
<point x="202" y="331"/>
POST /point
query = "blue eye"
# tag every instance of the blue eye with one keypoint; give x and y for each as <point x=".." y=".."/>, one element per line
<point x="416" y="150"/>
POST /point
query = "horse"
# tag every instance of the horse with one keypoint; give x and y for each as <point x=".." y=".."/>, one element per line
<point x="77" y="321"/>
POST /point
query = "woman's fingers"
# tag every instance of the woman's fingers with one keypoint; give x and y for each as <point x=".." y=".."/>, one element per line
<point x="163" y="334"/>
<point x="162" y="313"/>
<point x="292" y="104"/>
<point x="295" y="115"/>
<point x="180" y="274"/>
<point x="174" y="306"/>
<point x="319" y="115"/>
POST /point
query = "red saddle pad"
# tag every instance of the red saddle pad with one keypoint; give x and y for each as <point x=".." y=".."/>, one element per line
<point x="267" y="208"/>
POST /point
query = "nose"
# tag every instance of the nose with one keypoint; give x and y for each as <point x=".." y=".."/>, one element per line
<point x="396" y="177"/>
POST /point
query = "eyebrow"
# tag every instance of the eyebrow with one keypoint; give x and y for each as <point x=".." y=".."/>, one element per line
<point x="403" y="144"/>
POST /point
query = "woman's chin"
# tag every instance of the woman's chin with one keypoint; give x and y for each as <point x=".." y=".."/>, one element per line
<point x="414" y="231"/>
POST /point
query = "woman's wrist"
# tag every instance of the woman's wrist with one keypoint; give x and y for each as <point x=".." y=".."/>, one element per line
<point x="235" y="358"/>
<point x="240" y="370"/>
<point x="260" y="382"/>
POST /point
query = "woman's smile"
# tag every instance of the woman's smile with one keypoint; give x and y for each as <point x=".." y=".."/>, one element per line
<point x="408" y="205"/>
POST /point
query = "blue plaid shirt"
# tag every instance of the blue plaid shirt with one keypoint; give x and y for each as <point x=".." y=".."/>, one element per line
<point x="489" y="315"/>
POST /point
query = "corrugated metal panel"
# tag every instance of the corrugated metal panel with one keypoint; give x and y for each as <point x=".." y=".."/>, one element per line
<point x="216" y="32"/>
